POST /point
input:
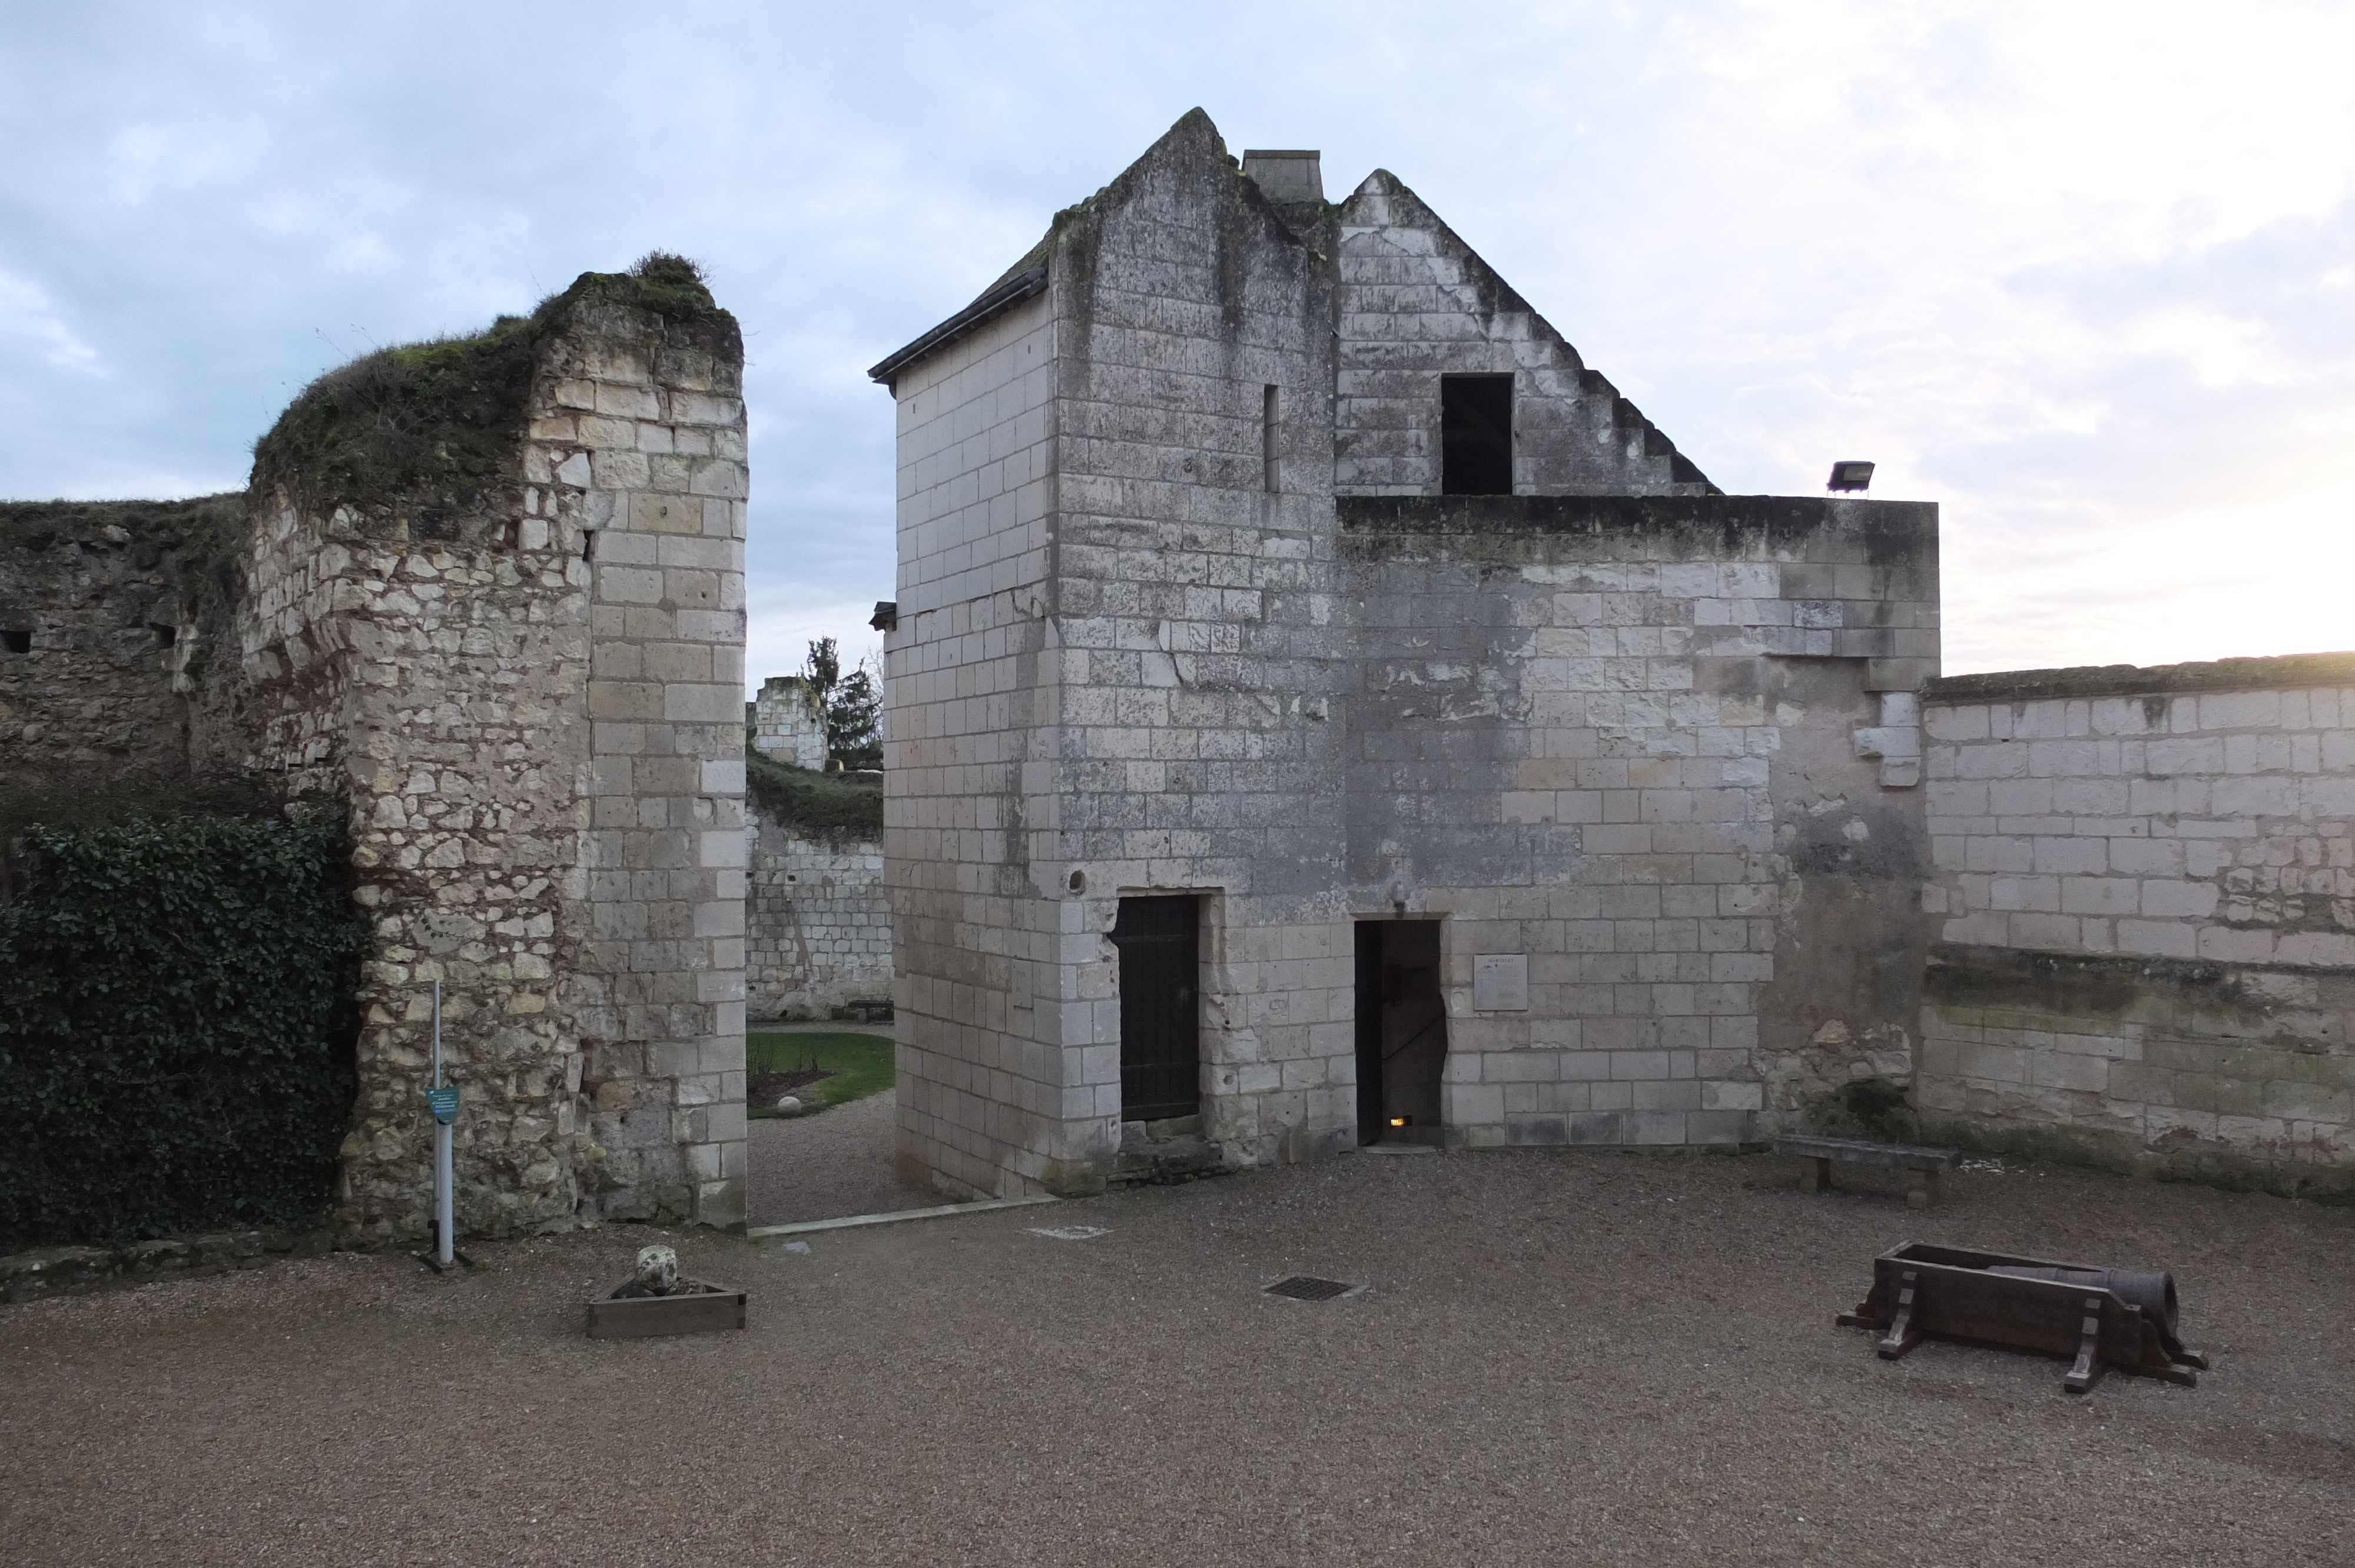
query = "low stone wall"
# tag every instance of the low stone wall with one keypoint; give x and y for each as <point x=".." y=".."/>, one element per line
<point x="2148" y="884"/>
<point x="819" y="923"/>
<point x="72" y="1270"/>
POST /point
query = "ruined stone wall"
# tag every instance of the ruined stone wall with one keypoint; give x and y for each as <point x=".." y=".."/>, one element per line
<point x="819" y="923"/>
<point x="639" y="442"/>
<point x="2145" y="884"/>
<point x="96" y="632"/>
<point x="439" y="682"/>
<point x="530" y="697"/>
<point x="786" y="725"/>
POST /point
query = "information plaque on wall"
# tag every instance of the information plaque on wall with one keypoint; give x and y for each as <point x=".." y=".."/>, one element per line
<point x="1500" y="983"/>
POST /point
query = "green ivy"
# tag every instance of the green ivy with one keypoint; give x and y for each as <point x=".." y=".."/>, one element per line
<point x="177" y="1022"/>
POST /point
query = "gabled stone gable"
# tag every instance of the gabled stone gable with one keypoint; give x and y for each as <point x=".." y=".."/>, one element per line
<point x="1416" y="303"/>
<point x="1145" y="648"/>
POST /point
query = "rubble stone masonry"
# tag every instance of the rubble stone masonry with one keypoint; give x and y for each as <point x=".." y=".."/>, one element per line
<point x="534" y="705"/>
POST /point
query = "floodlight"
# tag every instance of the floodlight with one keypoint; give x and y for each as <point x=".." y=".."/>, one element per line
<point x="1849" y="476"/>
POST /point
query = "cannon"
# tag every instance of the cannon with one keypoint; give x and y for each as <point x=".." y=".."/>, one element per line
<point x="2103" y="1318"/>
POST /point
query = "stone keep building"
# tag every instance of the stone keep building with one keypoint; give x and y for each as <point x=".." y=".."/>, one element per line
<point x="491" y="591"/>
<point x="1323" y="711"/>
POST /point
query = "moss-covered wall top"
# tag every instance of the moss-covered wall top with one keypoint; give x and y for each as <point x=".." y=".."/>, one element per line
<point x="426" y="433"/>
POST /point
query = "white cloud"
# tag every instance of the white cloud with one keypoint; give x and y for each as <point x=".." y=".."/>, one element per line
<point x="31" y="319"/>
<point x="2076" y="270"/>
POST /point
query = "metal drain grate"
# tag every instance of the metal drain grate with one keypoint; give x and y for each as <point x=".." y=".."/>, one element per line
<point x="1305" y="1287"/>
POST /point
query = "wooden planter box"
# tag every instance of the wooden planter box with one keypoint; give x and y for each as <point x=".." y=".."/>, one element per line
<point x="1950" y="1293"/>
<point x="697" y="1307"/>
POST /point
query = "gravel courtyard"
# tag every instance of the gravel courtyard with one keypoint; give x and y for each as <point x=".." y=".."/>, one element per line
<point x="1559" y="1359"/>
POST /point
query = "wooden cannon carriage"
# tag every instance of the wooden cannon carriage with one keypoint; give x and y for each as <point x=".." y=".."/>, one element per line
<point x="2103" y="1318"/>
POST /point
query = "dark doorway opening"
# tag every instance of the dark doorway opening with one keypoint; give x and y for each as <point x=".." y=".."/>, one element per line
<point x="1160" y="944"/>
<point x="1402" y="1031"/>
<point x="1475" y="435"/>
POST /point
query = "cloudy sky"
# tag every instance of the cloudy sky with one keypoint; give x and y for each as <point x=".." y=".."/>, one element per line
<point x="2083" y="273"/>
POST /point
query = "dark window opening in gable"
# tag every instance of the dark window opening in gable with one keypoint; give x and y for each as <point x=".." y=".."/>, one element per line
<point x="1475" y="435"/>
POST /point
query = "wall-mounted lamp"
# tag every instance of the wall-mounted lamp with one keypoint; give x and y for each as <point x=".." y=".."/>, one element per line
<point x="1397" y="897"/>
<point x="1849" y="476"/>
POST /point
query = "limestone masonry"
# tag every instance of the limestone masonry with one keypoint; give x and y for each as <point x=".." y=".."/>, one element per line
<point x="520" y="658"/>
<point x="819" y="925"/>
<point x="1298" y="641"/>
<point x="1321" y="712"/>
<point x="2144" y="884"/>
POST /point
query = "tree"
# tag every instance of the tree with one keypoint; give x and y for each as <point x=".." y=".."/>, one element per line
<point x="850" y="706"/>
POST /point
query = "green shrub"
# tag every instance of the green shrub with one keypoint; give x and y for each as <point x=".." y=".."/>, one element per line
<point x="176" y="1021"/>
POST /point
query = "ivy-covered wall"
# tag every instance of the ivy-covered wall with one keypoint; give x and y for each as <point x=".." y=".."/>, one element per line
<point x="176" y="1025"/>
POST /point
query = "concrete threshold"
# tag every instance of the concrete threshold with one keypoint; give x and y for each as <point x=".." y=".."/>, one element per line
<point x="849" y="1221"/>
<point x="1397" y="1149"/>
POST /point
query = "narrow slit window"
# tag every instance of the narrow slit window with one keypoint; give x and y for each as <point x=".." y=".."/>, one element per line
<point x="1475" y="435"/>
<point x="1267" y="428"/>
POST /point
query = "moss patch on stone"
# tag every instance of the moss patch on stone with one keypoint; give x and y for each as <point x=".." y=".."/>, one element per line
<point x="435" y="427"/>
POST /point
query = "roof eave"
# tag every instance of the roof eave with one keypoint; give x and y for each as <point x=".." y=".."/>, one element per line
<point x="1023" y="285"/>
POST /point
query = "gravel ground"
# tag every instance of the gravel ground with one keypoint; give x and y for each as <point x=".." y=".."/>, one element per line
<point x="833" y="1163"/>
<point x="1560" y="1359"/>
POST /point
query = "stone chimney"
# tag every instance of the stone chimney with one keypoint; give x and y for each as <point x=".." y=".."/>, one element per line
<point x="1287" y="177"/>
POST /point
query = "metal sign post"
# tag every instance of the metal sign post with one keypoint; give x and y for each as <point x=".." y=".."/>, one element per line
<point x="442" y="1100"/>
<point x="444" y="1200"/>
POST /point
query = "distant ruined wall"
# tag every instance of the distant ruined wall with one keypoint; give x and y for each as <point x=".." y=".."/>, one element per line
<point x="2147" y="883"/>
<point x="786" y="725"/>
<point x="819" y="923"/>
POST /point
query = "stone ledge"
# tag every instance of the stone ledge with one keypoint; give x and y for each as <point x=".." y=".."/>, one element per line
<point x="73" y="1270"/>
<point x="2098" y="985"/>
<point x="1712" y="522"/>
<point x="2139" y="680"/>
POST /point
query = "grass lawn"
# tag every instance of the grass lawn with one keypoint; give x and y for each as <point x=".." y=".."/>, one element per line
<point x="860" y="1065"/>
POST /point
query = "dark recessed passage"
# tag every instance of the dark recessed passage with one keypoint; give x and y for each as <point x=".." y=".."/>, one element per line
<point x="1402" y="1032"/>
<point x="1475" y="435"/>
<point x="1307" y="1287"/>
<point x="16" y="640"/>
<point x="1159" y="940"/>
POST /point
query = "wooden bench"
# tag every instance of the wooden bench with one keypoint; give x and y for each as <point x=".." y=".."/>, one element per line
<point x="1816" y="1154"/>
<point x="871" y="1010"/>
